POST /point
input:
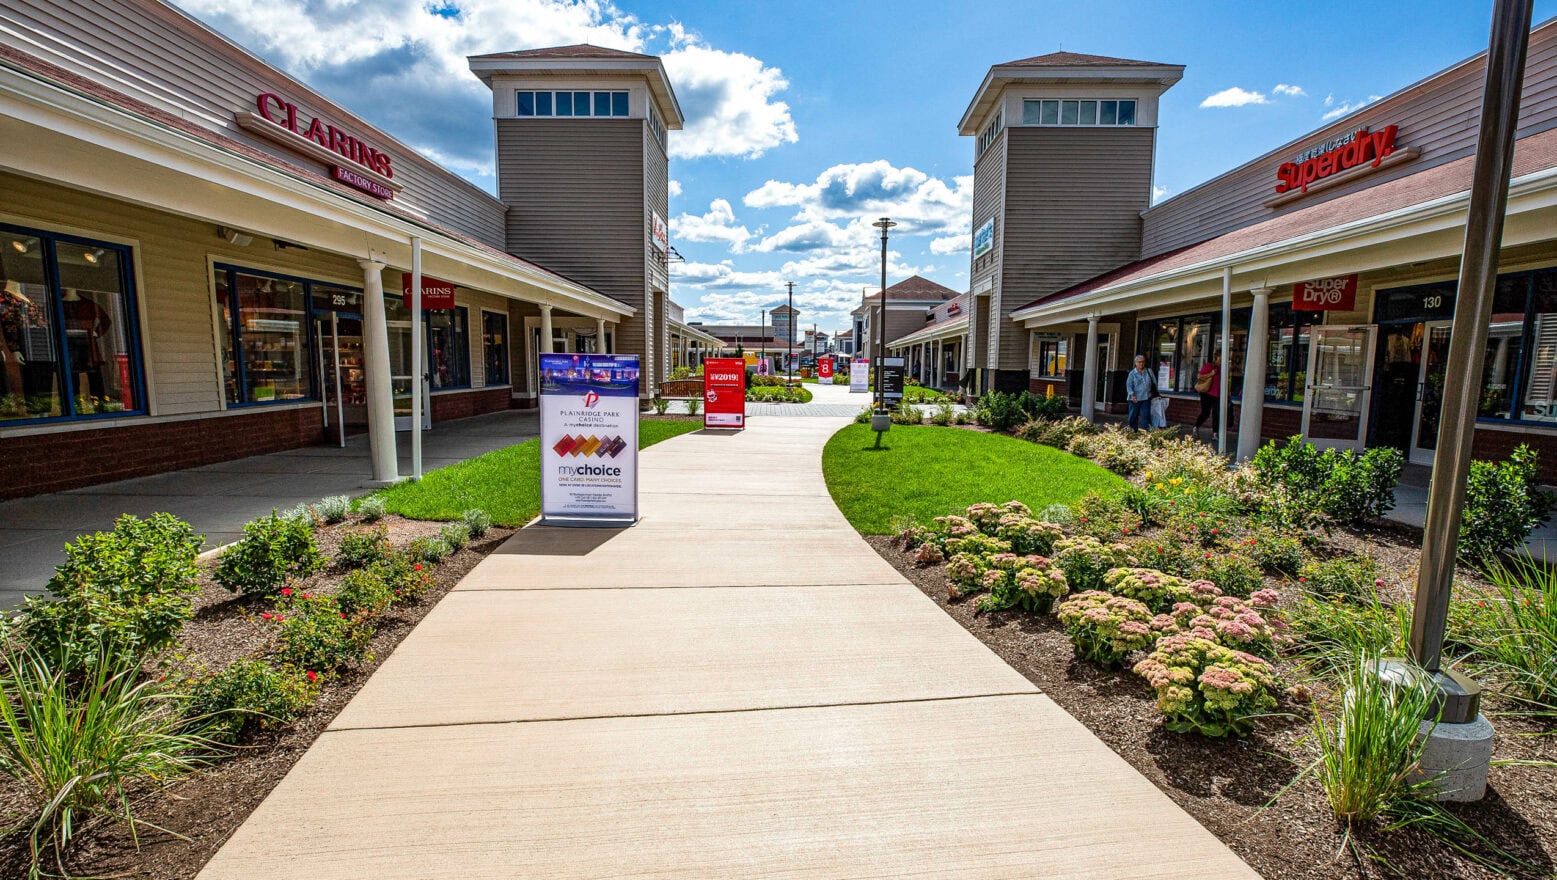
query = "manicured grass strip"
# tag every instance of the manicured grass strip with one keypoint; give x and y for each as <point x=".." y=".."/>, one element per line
<point x="925" y="472"/>
<point x="506" y="483"/>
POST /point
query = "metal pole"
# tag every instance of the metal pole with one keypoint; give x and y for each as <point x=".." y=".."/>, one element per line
<point x="416" y="358"/>
<point x="881" y="322"/>
<point x="1472" y="314"/>
<point x="324" y="395"/>
<point x="764" y="330"/>
<point x="789" y="334"/>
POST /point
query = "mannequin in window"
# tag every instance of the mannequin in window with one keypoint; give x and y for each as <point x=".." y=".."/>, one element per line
<point x="15" y="313"/>
<point x="86" y="323"/>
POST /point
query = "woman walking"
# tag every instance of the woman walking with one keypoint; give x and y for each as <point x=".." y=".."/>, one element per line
<point x="1138" y="385"/>
<point x="1209" y="383"/>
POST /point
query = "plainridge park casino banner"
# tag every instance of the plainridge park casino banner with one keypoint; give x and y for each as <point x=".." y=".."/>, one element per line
<point x="589" y="439"/>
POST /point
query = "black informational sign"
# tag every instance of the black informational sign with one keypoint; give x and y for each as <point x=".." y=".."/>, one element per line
<point x="890" y="377"/>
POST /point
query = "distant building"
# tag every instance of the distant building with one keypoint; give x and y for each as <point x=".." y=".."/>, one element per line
<point x="908" y="303"/>
<point x="783" y="322"/>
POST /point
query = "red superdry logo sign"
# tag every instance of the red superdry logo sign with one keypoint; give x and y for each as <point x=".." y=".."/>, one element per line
<point x="1333" y="157"/>
<point x="1338" y="294"/>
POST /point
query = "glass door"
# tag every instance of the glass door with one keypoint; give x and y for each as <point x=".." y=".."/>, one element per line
<point x="1429" y="392"/>
<point x="400" y="378"/>
<point x="1335" y="405"/>
<point x="1105" y="345"/>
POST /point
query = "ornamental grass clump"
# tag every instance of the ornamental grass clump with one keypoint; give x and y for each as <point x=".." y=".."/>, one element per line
<point x="1206" y="688"/>
<point x="1105" y="629"/>
<point x="1085" y="560"/>
<point x="1029" y="583"/>
<point x="1154" y="589"/>
<point x="1523" y="651"/>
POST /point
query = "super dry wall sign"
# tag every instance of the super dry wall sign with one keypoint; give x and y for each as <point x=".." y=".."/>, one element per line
<point x="1338" y="294"/>
<point x="589" y="439"/>
<point x="1345" y="153"/>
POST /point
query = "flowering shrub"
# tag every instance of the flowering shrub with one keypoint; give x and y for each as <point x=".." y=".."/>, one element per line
<point x="1028" y="535"/>
<point x="360" y="548"/>
<point x="365" y="594"/>
<point x="929" y="553"/>
<point x="1030" y="583"/>
<point x="1206" y="688"/>
<point x="1105" y="517"/>
<point x="1275" y="552"/>
<point x="1104" y="628"/>
<point x="408" y="579"/>
<point x="250" y="695"/>
<point x="950" y="528"/>
<point x="965" y="572"/>
<point x="978" y="544"/>
<point x="1153" y="589"/>
<point x="1229" y="621"/>
<point x="1167" y="556"/>
<point x="315" y="634"/>
<point x="1235" y="573"/>
<point x="1085" y="560"/>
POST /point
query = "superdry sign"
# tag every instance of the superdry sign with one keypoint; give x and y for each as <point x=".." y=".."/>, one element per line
<point x="724" y="393"/>
<point x="1336" y="155"/>
<point x="1338" y="294"/>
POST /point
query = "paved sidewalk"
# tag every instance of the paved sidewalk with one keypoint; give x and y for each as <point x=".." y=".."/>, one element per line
<point x="218" y="499"/>
<point x="736" y="687"/>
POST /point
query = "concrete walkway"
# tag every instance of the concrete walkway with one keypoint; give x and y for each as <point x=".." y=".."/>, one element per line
<point x="736" y="687"/>
<point x="218" y="499"/>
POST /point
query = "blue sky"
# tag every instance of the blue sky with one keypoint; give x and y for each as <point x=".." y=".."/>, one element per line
<point x="808" y="120"/>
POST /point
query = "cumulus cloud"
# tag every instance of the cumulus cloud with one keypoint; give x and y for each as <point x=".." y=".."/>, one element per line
<point x="675" y="188"/>
<point x="951" y="244"/>
<point x="717" y="225"/>
<point x="1158" y="193"/>
<point x="1346" y="107"/>
<point x="1290" y="91"/>
<point x="402" y="65"/>
<point x="1233" y="97"/>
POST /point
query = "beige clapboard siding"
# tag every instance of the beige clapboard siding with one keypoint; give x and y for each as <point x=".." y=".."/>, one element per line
<point x="1439" y="118"/>
<point x="478" y="302"/>
<point x="155" y="54"/>
<point x="1073" y="205"/>
<point x="578" y="191"/>
<point x="989" y="183"/>
<point x="172" y="256"/>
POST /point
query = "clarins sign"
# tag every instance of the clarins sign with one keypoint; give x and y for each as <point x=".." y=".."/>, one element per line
<point x="1362" y="148"/>
<point x="352" y="160"/>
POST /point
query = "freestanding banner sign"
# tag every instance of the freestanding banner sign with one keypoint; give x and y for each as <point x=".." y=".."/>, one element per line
<point x="589" y="439"/>
<point x="891" y="378"/>
<point x="724" y="393"/>
<point x="824" y="371"/>
<point x="859" y="375"/>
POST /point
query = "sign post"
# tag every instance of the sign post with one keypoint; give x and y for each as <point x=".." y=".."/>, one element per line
<point x="859" y="375"/>
<point x="824" y="371"/>
<point x="724" y="393"/>
<point x="589" y="440"/>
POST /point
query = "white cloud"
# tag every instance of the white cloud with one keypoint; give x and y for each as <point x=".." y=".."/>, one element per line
<point x="951" y="244"/>
<point x="1158" y="193"/>
<point x="675" y="188"/>
<point x="1233" y="97"/>
<point x="729" y="101"/>
<point x="718" y="225"/>
<point x="1346" y="107"/>
<point x="1290" y="91"/>
<point x="861" y="192"/>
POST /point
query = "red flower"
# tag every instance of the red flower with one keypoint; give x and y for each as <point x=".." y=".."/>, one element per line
<point x="416" y="567"/>
<point x="286" y="591"/>
<point x="1481" y="603"/>
<point x="1208" y="555"/>
<point x="308" y="596"/>
<point x="343" y="615"/>
<point x="1302" y="580"/>
<point x="312" y="675"/>
<point x="268" y="616"/>
<point x="1213" y="531"/>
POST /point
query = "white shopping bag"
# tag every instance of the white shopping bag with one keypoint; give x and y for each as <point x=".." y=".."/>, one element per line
<point x="1159" y="412"/>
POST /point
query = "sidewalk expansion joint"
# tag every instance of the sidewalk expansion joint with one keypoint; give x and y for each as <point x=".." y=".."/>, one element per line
<point x="1035" y="692"/>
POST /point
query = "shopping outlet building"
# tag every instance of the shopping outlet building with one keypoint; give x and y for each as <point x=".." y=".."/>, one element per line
<point x="201" y="258"/>
<point x="1335" y="257"/>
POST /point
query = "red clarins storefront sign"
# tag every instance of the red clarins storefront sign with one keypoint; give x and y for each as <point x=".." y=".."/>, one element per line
<point x="352" y="160"/>
<point x="1338" y="294"/>
<point x="1332" y="157"/>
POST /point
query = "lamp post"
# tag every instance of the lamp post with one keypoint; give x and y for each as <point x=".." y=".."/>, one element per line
<point x="881" y="321"/>
<point x="764" y="328"/>
<point x="789" y="336"/>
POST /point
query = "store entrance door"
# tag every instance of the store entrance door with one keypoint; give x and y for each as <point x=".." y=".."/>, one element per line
<point x="1335" y="402"/>
<point x="1429" y="392"/>
<point x="343" y="387"/>
<point x="1395" y="383"/>
<point x="400" y="375"/>
<point x="1105" y="345"/>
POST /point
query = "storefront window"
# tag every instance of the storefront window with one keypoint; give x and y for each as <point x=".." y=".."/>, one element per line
<point x="1195" y="352"/>
<point x="494" y="342"/>
<point x="448" y="346"/>
<point x="1540" y="395"/>
<point x="268" y="355"/>
<point x="67" y="329"/>
<point x="1049" y="355"/>
<point x="1165" y="345"/>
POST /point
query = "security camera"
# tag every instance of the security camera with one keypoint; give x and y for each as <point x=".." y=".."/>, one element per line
<point x="233" y="236"/>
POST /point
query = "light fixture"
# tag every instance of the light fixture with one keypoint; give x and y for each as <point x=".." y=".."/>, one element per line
<point x="19" y="246"/>
<point x="91" y="256"/>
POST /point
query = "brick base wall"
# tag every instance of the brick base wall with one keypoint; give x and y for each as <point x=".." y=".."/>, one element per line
<point x="464" y="404"/>
<point x="73" y="459"/>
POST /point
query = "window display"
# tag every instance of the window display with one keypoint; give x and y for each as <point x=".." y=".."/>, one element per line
<point x="267" y="358"/>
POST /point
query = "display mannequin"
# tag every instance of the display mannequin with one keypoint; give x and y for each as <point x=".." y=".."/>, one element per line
<point x="86" y="323"/>
<point x="13" y="321"/>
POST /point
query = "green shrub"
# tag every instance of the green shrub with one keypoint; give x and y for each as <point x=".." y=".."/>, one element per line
<point x="1105" y="517"/>
<point x="479" y="522"/>
<point x="1275" y="552"/>
<point x="1343" y="486"/>
<point x="318" y="636"/>
<point x="692" y="405"/>
<point x="860" y="418"/>
<point x="999" y="411"/>
<point x="1104" y="628"/>
<point x="371" y="508"/>
<point x="76" y="750"/>
<point x="119" y="595"/>
<point x="944" y="414"/>
<point x="1503" y="504"/>
<point x="1085" y="560"/>
<point x="408" y="579"/>
<point x="335" y="508"/>
<point x="250" y="695"/>
<point x="906" y="414"/>
<point x="273" y="549"/>
<point x="455" y="534"/>
<point x="363" y="547"/>
<point x="364" y="594"/>
<point x="1351" y="577"/>
<point x="428" y="549"/>
<point x="1203" y="687"/>
<point x="660" y="404"/>
<point x="1173" y="557"/>
<point x="1234" y="573"/>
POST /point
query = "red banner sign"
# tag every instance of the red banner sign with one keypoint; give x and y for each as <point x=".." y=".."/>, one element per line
<point x="435" y="294"/>
<point x="724" y="393"/>
<point x="1344" y="153"/>
<point x="1338" y="294"/>
<point x="824" y="368"/>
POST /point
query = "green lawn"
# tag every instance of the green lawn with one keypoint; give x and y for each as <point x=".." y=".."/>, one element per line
<point x="505" y="483"/>
<point x="925" y="472"/>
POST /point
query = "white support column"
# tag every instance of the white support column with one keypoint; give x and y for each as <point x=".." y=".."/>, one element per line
<point x="1224" y="381"/>
<point x="1089" y="372"/>
<point x="375" y="364"/>
<point x="547" y="346"/>
<point x="417" y="368"/>
<point x="600" y="346"/>
<point x="1252" y="410"/>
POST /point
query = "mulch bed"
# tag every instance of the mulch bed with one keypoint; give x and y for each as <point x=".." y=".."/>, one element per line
<point x="1231" y="786"/>
<point x="210" y="804"/>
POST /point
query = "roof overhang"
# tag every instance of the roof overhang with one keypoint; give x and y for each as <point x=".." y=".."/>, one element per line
<point x="71" y="138"/>
<point x="955" y="327"/>
<point x="684" y="329"/>
<point x="1162" y="76"/>
<point x="1426" y="231"/>
<point x="651" y="69"/>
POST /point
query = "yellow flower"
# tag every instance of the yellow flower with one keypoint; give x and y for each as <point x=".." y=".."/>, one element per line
<point x="1176" y="480"/>
<point x="1159" y="487"/>
<point x="1147" y="475"/>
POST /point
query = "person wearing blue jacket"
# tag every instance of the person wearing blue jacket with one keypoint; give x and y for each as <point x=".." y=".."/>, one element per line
<point x="1139" y="386"/>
